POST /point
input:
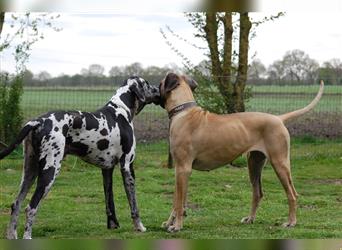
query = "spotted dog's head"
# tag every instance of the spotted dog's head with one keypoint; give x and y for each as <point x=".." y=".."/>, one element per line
<point x="141" y="91"/>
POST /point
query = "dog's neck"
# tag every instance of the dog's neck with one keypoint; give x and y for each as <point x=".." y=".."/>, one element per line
<point x="178" y="97"/>
<point x="125" y="99"/>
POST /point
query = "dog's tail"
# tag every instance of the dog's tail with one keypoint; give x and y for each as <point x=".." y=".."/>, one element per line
<point x="294" y="114"/>
<point x="23" y="133"/>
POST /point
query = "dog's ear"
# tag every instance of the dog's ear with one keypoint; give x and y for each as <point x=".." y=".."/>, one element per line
<point x="191" y="82"/>
<point x="171" y="82"/>
<point x="138" y="92"/>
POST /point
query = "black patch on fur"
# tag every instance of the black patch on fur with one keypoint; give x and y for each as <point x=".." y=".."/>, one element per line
<point x="110" y="116"/>
<point x="128" y="99"/>
<point x="47" y="125"/>
<point x="56" y="129"/>
<point x="91" y="122"/>
<point x="102" y="144"/>
<point x="97" y="114"/>
<point x="77" y="124"/>
<point x="59" y="116"/>
<point x="104" y="132"/>
<point x="68" y="140"/>
<point x="126" y="134"/>
<point x="78" y="148"/>
<point x="54" y="145"/>
<point x="65" y="129"/>
<point x="44" y="179"/>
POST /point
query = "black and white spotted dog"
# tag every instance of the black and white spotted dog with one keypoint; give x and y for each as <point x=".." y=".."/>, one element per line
<point x="103" y="138"/>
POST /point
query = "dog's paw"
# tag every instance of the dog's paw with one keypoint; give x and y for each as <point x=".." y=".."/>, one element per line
<point x="12" y="235"/>
<point x="139" y="227"/>
<point x="113" y="225"/>
<point x="247" y="220"/>
<point x="289" y="224"/>
<point x="166" y="224"/>
<point x="173" y="229"/>
<point x="27" y="237"/>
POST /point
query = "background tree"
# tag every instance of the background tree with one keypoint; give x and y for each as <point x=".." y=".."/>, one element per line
<point x="96" y="70"/>
<point x="43" y="76"/>
<point x="116" y="71"/>
<point x="26" y="29"/>
<point x="331" y="71"/>
<point x="299" y="66"/>
<point x="276" y="72"/>
<point x="256" y="72"/>
<point x="296" y="67"/>
<point x="133" y="69"/>
<point x="227" y="50"/>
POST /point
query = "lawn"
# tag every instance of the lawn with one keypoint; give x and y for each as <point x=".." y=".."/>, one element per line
<point x="217" y="200"/>
<point x="272" y="99"/>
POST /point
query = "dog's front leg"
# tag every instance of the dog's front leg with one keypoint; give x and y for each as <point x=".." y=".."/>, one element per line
<point x="112" y="221"/>
<point x="182" y="176"/>
<point x="128" y="177"/>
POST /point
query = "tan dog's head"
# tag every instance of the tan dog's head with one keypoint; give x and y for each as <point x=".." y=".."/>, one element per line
<point x="175" y="90"/>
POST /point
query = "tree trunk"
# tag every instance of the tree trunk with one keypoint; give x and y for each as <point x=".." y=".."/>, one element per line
<point x="211" y="36"/>
<point x="221" y="71"/>
<point x="233" y="94"/>
<point x="2" y="20"/>
<point x="227" y="49"/>
<point x="226" y="80"/>
<point x="239" y="86"/>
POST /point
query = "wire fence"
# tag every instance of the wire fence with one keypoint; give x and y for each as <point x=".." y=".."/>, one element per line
<point x="325" y="121"/>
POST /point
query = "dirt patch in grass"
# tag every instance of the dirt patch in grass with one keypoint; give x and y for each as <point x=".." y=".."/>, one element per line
<point x="308" y="206"/>
<point x="321" y="125"/>
<point x="193" y="206"/>
<point x="5" y="211"/>
<point x="327" y="181"/>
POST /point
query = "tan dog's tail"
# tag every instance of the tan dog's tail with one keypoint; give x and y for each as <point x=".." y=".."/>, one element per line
<point x="294" y="114"/>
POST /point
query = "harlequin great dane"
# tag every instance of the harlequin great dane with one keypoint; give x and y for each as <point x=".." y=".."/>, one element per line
<point x="102" y="138"/>
<point x="204" y="141"/>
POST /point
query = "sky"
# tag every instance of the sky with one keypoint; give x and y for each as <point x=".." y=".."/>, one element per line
<point x="123" y="37"/>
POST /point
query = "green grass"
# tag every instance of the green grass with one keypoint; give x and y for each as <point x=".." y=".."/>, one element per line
<point x="218" y="200"/>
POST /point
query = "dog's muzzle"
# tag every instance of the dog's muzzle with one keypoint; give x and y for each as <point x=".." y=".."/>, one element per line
<point x="151" y="96"/>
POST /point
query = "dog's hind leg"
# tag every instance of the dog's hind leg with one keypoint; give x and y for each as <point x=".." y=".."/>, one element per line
<point x="256" y="161"/>
<point x="112" y="222"/>
<point x="128" y="177"/>
<point x="30" y="172"/>
<point x="282" y="169"/>
<point x="49" y="167"/>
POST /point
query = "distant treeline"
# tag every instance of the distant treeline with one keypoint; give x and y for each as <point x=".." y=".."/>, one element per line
<point x="94" y="76"/>
<point x="295" y="68"/>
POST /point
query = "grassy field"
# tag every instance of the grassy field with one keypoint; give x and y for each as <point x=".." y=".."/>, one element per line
<point x="272" y="99"/>
<point x="217" y="200"/>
